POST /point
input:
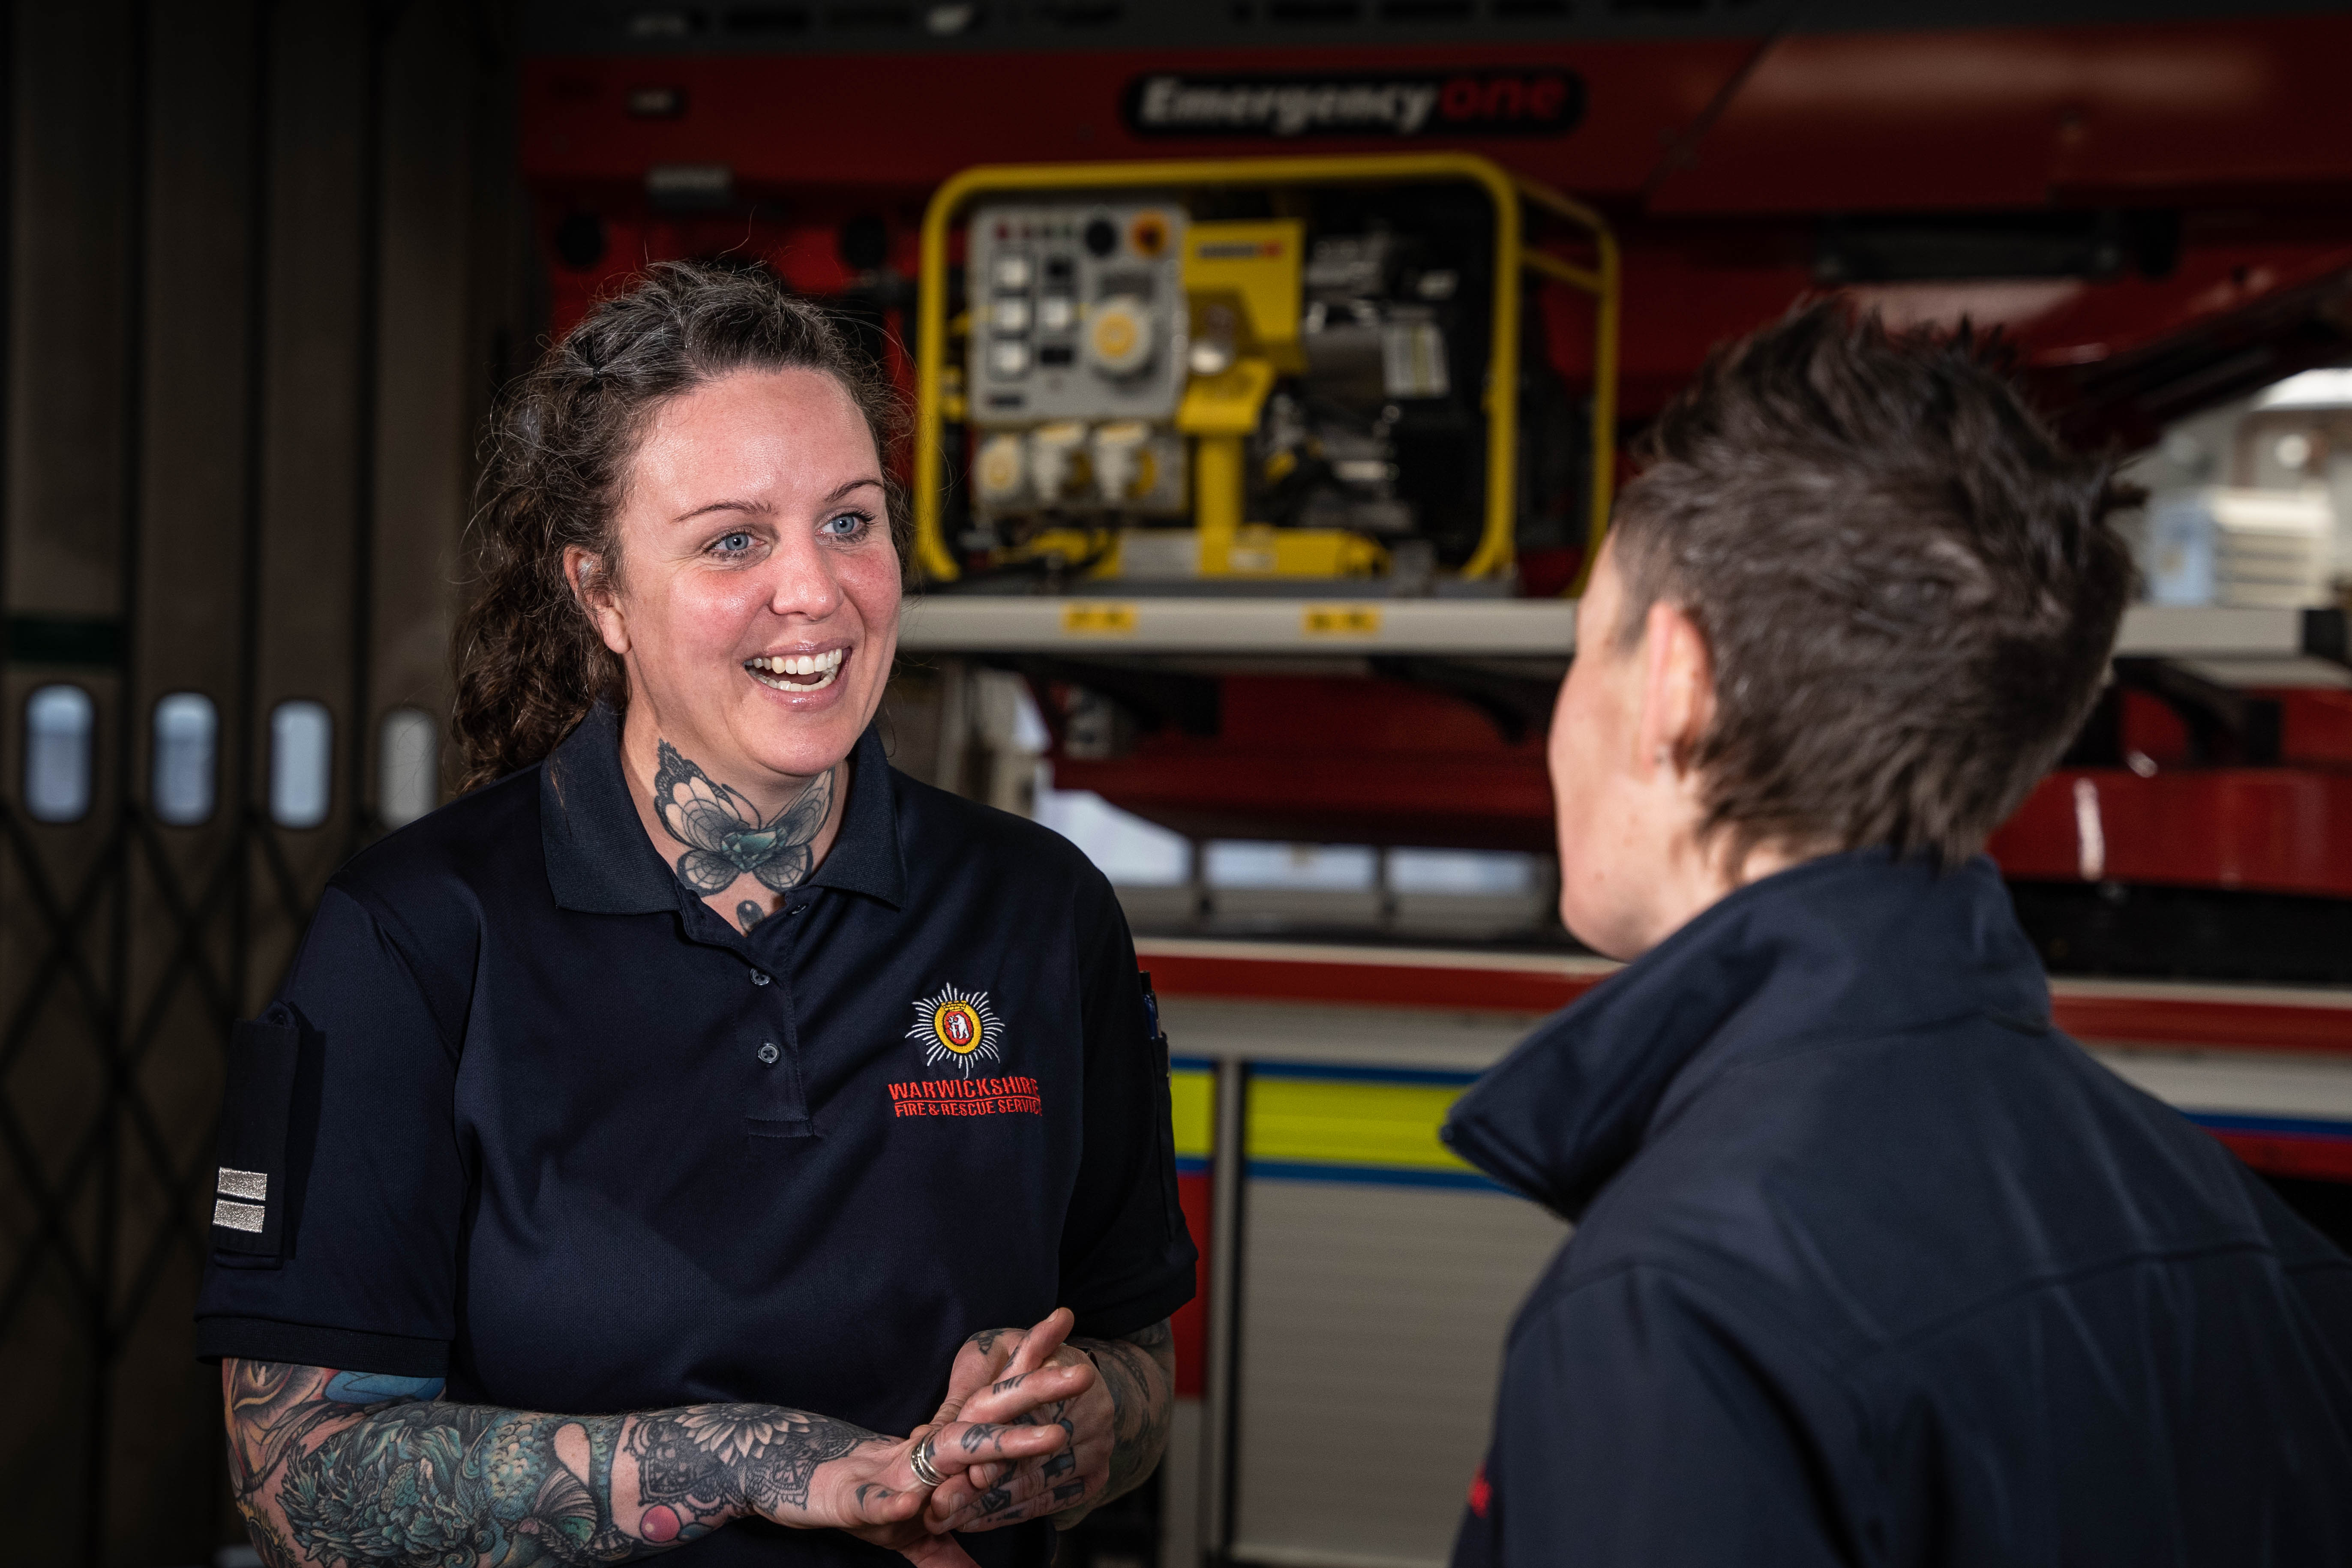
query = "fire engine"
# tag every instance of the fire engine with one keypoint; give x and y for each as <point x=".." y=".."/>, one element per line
<point x="1273" y="365"/>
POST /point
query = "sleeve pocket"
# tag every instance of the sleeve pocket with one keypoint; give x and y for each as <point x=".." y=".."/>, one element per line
<point x="249" y="1197"/>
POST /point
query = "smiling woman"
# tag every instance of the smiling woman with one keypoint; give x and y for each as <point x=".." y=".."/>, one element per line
<point x="741" y="576"/>
<point x="593" y="1090"/>
<point x="686" y="423"/>
<point x="755" y="621"/>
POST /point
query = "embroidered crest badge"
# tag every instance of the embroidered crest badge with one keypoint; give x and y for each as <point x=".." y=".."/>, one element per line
<point x="956" y="1026"/>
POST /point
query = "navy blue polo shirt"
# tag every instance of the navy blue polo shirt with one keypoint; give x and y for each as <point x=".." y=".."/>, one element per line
<point x="529" y="1115"/>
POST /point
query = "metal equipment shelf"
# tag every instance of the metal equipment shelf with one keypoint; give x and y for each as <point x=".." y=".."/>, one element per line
<point x="2177" y="631"/>
<point x="1471" y="627"/>
<point x="1467" y="629"/>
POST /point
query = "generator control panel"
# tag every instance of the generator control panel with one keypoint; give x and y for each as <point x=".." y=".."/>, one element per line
<point x="1077" y="313"/>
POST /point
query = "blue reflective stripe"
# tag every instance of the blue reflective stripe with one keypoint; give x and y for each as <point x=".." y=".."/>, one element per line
<point x="1361" y="1075"/>
<point x="1372" y="1176"/>
<point x="2234" y="1121"/>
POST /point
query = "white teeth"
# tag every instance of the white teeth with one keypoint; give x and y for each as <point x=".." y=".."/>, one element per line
<point x="824" y="666"/>
<point x="782" y="684"/>
<point x="800" y="663"/>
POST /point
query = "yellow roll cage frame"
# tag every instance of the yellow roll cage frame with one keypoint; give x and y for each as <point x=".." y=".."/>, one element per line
<point x="1495" y="550"/>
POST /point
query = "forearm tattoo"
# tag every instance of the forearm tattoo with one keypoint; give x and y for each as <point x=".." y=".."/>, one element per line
<point x="709" y="1458"/>
<point x="724" y="836"/>
<point x="1139" y="1372"/>
<point x="341" y="1470"/>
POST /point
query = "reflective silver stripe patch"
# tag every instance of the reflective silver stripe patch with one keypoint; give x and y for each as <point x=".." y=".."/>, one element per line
<point x="251" y="1186"/>
<point x="237" y="1217"/>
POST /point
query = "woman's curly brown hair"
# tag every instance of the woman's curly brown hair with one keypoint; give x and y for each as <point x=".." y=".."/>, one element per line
<point x="530" y="663"/>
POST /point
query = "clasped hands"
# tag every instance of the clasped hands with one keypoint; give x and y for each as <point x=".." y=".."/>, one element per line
<point x="1026" y="1431"/>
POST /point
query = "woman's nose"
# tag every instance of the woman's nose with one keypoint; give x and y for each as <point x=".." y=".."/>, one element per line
<point x="801" y="580"/>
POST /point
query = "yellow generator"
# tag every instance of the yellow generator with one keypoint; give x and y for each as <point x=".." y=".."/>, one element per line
<point x="1205" y="375"/>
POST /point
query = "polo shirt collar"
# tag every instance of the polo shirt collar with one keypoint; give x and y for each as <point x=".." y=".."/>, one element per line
<point x="1852" y="945"/>
<point x="864" y="857"/>
<point x="599" y="861"/>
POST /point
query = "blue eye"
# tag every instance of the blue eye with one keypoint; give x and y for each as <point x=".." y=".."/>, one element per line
<point x="847" y="525"/>
<point x="734" y="543"/>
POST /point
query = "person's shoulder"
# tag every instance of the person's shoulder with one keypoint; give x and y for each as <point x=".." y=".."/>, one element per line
<point x="939" y="826"/>
<point x="476" y="849"/>
<point x="1871" y="1186"/>
<point x="420" y="901"/>
<point x="1805" y="1145"/>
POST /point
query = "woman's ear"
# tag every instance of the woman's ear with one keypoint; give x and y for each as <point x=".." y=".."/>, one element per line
<point x="592" y="586"/>
<point x="1677" y="685"/>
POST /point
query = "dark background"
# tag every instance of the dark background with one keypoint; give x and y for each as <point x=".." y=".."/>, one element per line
<point x="260" y="268"/>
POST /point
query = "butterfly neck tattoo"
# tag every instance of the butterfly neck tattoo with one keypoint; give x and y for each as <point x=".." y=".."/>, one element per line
<point x="725" y="837"/>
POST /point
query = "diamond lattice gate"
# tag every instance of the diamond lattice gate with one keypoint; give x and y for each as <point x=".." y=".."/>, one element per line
<point x="256" y="264"/>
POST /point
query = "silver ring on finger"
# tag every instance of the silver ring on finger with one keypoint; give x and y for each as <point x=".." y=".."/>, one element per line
<point x="918" y="1459"/>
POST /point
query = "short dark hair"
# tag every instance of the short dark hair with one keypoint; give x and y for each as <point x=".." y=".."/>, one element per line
<point x="1908" y="585"/>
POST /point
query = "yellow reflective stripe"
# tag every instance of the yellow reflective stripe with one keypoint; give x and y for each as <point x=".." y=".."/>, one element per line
<point x="1328" y="1122"/>
<point x="1192" y="1094"/>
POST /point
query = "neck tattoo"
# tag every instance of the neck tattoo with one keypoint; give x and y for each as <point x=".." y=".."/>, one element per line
<point x="725" y="838"/>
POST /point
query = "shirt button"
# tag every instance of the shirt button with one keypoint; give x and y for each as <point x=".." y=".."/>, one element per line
<point x="768" y="1053"/>
<point x="758" y="978"/>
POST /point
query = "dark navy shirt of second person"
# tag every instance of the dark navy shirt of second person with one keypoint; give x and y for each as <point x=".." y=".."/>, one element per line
<point x="1875" y="1265"/>
<point x="559" y="1133"/>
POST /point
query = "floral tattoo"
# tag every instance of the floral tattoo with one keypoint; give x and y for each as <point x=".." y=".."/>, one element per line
<point x="724" y="836"/>
<point x="337" y="1470"/>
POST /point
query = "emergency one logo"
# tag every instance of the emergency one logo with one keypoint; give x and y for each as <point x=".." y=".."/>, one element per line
<point x="956" y="1026"/>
